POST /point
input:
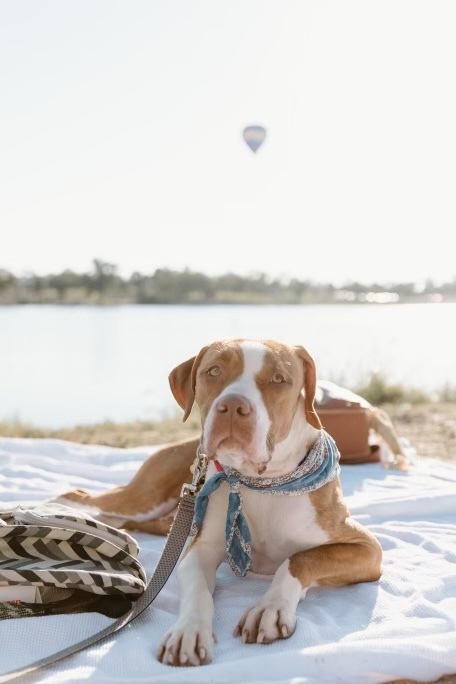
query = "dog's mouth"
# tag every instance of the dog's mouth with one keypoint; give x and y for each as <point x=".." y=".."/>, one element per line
<point x="233" y="452"/>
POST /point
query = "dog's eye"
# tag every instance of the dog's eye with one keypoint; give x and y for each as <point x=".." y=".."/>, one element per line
<point x="214" y="371"/>
<point x="277" y="378"/>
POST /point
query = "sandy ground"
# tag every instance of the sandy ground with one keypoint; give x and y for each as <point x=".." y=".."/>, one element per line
<point x="430" y="428"/>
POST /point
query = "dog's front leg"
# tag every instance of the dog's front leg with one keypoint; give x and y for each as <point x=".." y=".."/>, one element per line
<point x="190" y="640"/>
<point x="274" y="616"/>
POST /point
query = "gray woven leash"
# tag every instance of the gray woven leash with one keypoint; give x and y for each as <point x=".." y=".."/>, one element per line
<point x="173" y="549"/>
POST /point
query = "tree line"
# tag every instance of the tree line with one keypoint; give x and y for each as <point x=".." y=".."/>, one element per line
<point x="103" y="285"/>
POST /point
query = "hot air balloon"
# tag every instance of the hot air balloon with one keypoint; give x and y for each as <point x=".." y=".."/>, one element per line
<point x="254" y="136"/>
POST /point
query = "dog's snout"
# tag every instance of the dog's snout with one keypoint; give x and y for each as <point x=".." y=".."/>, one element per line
<point x="234" y="404"/>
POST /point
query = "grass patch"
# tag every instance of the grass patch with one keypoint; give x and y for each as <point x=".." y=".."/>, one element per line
<point x="378" y="391"/>
<point x="129" y="434"/>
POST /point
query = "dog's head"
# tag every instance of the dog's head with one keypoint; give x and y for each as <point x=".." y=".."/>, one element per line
<point x="256" y="402"/>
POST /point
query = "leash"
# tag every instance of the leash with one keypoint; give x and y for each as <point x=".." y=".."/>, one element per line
<point x="175" y="543"/>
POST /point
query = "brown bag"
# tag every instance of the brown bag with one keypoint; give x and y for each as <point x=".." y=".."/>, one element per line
<point x="343" y="415"/>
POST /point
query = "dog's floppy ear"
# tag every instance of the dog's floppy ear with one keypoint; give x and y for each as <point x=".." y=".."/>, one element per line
<point x="182" y="380"/>
<point x="310" y="386"/>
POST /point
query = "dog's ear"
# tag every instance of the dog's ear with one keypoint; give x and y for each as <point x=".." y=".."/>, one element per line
<point x="310" y="386"/>
<point x="182" y="380"/>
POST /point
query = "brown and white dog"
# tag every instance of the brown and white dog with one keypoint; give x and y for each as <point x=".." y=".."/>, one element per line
<point x="256" y="401"/>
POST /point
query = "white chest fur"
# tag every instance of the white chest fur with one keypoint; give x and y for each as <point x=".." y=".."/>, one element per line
<point x="279" y="525"/>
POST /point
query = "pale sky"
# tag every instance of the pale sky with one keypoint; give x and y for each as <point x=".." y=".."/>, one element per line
<point x="120" y="136"/>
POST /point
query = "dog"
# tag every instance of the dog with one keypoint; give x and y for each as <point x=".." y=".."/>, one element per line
<point x="272" y="502"/>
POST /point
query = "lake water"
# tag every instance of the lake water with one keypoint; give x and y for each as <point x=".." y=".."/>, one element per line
<point x="65" y="365"/>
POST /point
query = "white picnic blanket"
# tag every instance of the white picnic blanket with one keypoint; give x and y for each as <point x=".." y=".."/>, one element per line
<point x="404" y="626"/>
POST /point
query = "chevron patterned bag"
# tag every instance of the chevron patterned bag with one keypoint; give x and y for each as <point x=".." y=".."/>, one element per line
<point x="56" y="559"/>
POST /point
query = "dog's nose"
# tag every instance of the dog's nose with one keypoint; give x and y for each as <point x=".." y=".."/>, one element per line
<point x="234" y="404"/>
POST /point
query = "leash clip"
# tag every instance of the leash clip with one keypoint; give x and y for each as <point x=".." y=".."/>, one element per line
<point x="198" y="468"/>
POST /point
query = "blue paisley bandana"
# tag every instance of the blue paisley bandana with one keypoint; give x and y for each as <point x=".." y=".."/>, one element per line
<point x="319" y="466"/>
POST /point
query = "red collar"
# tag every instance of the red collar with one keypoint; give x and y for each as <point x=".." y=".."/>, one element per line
<point x="218" y="466"/>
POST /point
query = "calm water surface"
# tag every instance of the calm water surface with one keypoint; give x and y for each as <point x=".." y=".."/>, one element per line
<point x="65" y="365"/>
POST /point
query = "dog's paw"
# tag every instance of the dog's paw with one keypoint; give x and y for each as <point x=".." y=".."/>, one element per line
<point x="266" y="622"/>
<point x="191" y="644"/>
